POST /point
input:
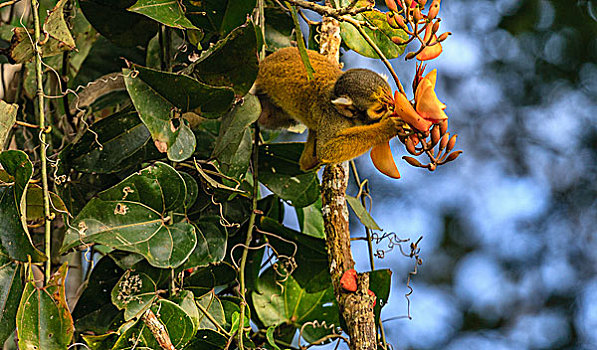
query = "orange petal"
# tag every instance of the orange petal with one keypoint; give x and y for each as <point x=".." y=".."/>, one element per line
<point x="382" y="158"/>
<point x="429" y="52"/>
<point x="427" y="103"/>
<point x="405" y="111"/>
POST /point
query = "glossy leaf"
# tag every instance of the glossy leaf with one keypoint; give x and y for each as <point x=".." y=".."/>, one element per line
<point x="310" y="220"/>
<point x="364" y="217"/>
<point x="112" y="20"/>
<point x="278" y="28"/>
<point x="231" y="62"/>
<point x="94" y="310"/>
<point x="211" y="304"/>
<point x="279" y="171"/>
<point x="8" y="116"/>
<point x="13" y="229"/>
<point x="380" y="282"/>
<point x="112" y="144"/>
<point x="168" y="129"/>
<point x="178" y="324"/>
<point x="134" y="293"/>
<point x="205" y="279"/>
<point x="218" y="17"/>
<point x="11" y="288"/>
<point x="381" y="36"/>
<point x="168" y="12"/>
<point x="207" y="339"/>
<point x="133" y="216"/>
<point x="43" y="319"/>
<point x="279" y="299"/>
<point x="211" y="243"/>
<point x="234" y="144"/>
<point x="35" y="200"/>
<point x="186" y="300"/>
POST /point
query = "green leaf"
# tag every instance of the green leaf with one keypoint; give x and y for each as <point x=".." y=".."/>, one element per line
<point x="234" y="144"/>
<point x="211" y="243"/>
<point x="11" y="288"/>
<point x="178" y="324"/>
<point x="218" y="17"/>
<point x="232" y="61"/>
<point x="8" y="117"/>
<point x="362" y="213"/>
<point x="14" y="234"/>
<point x="207" y="339"/>
<point x="278" y="28"/>
<point x="21" y="49"/>
<point x="35" y="206"/>
<point x="381" y="36"/>
<point x="133" y="216"/>
<point x="380" y="282"/>
<point x="168" y="129"/>
<point x="280" y="299"/>
<point x="279" y="171"/>
<point x="310" y="219"/>
<point x="188" y="94"/>
<point x="236" y="14"/>
<point x="94" y="311"/>
<point x="207" y="278"/>
<point x="113" y="21"/>
<point x="168" y="12"/>
<point x="270" y="337"/>
<point x="100" y="342"/>
<point x="112" y="144"/>
<point x="209" y="303"/>
<point x="134" y="293"/>
<point x="186" y="301"/>
<point x="43" y="319"/>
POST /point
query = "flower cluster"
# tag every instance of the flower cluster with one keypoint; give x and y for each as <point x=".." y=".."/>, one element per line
<point x="408" y="15"/>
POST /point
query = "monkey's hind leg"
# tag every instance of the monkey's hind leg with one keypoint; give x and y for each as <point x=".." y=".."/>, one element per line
<point x="272" y="116"/>
<point x="308" y="159"/>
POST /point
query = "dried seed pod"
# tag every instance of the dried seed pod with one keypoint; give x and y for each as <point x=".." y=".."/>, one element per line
<point x="433" y="9"/>
<point x="391" y="4"/>
<point x="451" y="143"/>
<point x="435" y="135"/>
<point x="431" y="166"/>
<point x="435" y="27"/>
<point x="410" y="146"/>
<point x="443" y="125"/>
<point x="444" y="36"/>
<point x="412" y="161"/>
<point x="444" y="141"/>
<point x="452" y="156"/>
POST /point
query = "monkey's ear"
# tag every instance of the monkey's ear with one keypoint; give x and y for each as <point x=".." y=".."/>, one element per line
<point x="344" y="105"/>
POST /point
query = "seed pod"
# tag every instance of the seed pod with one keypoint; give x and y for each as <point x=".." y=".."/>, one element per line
<point x="444" y="141"/>
<point x="435" y="27"/>
<point x="397" y="40"/>
<point x="452" y="156"/>
<point x="410" y="146"/>
<point x="431" y="166"/>
<point x="435" y="135"/>
<point x="444" y="36"/>
<point x="433" y="10"/>
<point x="391" y="4"/>
<point x="451" y="143"/>
<point x="412" y="161"/>
<point x="443" y="125"/>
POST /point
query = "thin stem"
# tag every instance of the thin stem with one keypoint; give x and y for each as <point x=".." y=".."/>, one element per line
<point x="367" y="230"/>
<point x="380" y="54"/>
<point x="262" y="27"/>
<point x="243" y="260"/>
<point x="42" y="137"/>
<point x="161" y="50"/>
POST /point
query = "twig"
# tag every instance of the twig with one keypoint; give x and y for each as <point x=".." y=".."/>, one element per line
<point x="43" y="133"/>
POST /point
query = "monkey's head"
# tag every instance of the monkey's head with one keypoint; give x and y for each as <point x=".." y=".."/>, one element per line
<point x="362" y="94"/>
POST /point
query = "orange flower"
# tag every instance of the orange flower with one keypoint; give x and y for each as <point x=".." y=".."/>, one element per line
<point x="428" y="108"/>
<point x="430" y="52"/>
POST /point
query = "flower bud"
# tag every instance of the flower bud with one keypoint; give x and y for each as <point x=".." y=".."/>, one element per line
<point x="433" y="9"/>
<point x="412" y="161"/>
<point x="410" y="55"/>
<point x="417" y="14"/>
<point x="452" y="156"/>
<point x="435" y="27"/>
<point x="391" y="4"/>
<point x="431" y="166"/>
<point x="397" y="40"/>
<point x="422" y="3"/>
<point x="435" y="135"/>
<point x="391" y="20"/>
<point x="443" y="126"/>
<point x="444" y="36"/>
<point x="410" y="146"/>
<point x="444" y="141"/>
<point x="451" y="143"/>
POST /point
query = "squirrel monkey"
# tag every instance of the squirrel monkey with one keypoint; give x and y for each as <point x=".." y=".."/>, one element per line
<point x="346" y="113"/>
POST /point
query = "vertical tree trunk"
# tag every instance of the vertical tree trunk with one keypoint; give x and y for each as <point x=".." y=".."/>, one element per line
<point x="355" y="307"/>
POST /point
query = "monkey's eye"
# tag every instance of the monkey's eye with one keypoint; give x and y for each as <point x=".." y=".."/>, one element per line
<point x="376" y="112"/>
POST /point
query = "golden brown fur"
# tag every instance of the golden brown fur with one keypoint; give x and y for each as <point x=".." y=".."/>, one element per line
<point x="346" y="113"/>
